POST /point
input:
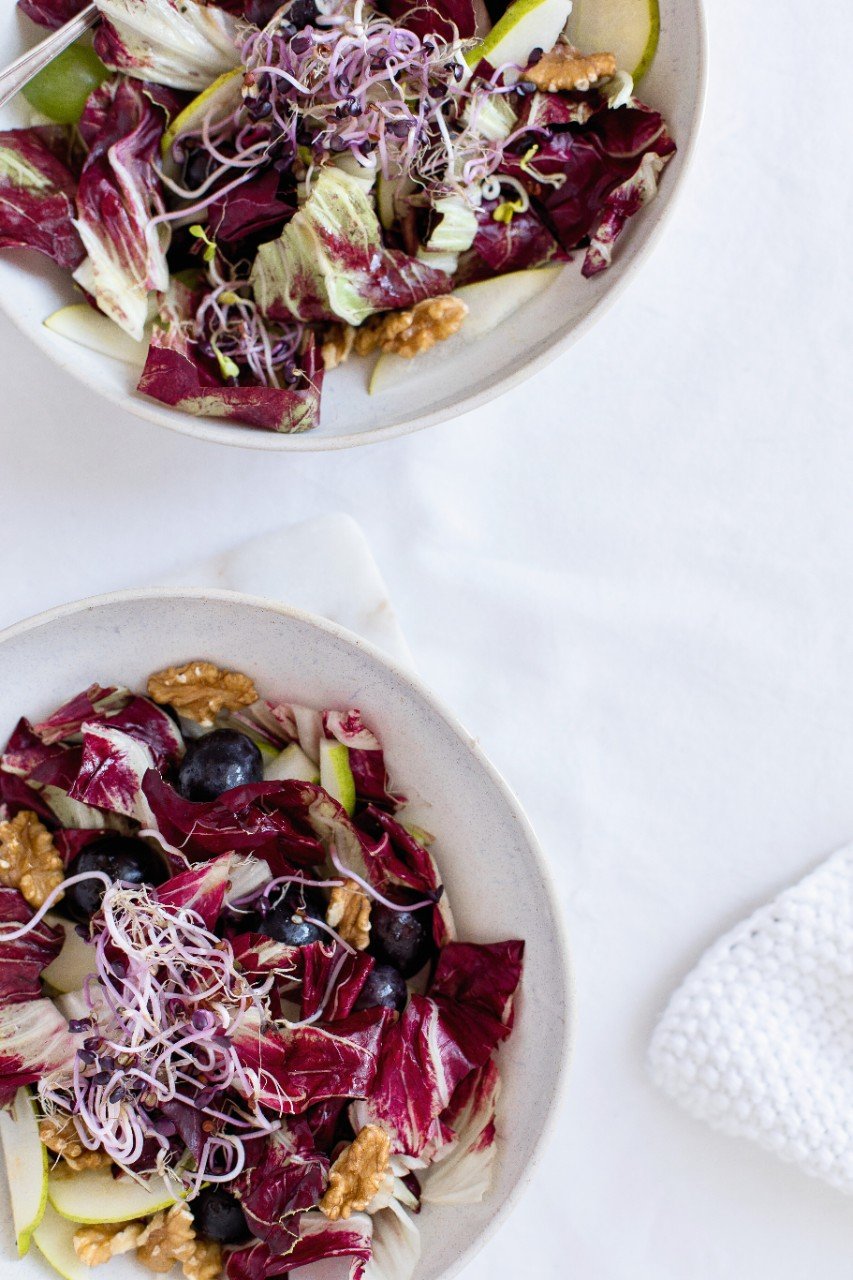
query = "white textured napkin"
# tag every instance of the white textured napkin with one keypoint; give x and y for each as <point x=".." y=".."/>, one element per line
<point x="758" y="1039"/>
<point x="324" y="566"/>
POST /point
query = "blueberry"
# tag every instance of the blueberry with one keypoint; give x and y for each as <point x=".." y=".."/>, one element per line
<point x="119" y="857"/>
<point x="401" y="938"/>
<point x="286" y="922"/>
<point x="219" y="1216"/>
<point x="217" y="762"/>
<point x="386" y="986"/>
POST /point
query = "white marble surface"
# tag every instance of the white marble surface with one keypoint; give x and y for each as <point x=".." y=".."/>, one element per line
<point x="632" y="580"/>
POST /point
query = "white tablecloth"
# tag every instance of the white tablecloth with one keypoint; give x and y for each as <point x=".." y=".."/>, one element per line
<point x="632" y="579"/>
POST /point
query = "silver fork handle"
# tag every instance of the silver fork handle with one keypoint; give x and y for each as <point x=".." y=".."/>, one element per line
<point x="22" y="70"/>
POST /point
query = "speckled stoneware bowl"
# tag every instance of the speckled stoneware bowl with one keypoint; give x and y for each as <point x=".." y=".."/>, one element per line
<point x="496" y="879"/>
<point x="31" y="288"/>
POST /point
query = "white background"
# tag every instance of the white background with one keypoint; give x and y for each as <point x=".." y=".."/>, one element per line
<point x="633" y="579"/>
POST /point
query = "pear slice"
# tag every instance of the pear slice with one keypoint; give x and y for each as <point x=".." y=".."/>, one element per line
<point x="26" y="1167"/>
<point x="75" y="961"/>
<point x="89" y="328"/>
<point x="336" y="774"/>
<point x="218" y="100"/>
<point x="54" y="1239"/>
<point x="630" y="29"/>
<point x="489" y="303"/>
<point x="526" y="25"/>
<point x="94" y="1195"/>
<point x="292" y="763"/>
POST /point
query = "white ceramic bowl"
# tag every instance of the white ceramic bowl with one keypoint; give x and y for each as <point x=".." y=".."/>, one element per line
<point x="491" y="864"/>
<point x="31" y="288"/>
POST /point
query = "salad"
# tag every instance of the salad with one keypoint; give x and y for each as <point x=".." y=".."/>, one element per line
<point x="255" y="192"/>
<point x="238" y="1034"/>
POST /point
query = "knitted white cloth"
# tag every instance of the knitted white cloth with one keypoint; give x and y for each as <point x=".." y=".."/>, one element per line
<point x="758" y="1039"/>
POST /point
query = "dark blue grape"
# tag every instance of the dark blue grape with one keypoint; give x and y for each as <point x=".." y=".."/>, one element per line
<point x="286" y="922"/>
<point x="401" y="938"/>
<point x="385" y="986"/>
<point x="120" y="858"/>
<point x="219" y="1216"/>
<point x="218" y="762"/>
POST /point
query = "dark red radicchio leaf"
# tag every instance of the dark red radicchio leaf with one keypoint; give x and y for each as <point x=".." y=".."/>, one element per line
<point x="177" y="373"/>
<point x="289" y="1178"/>
<point x="320" y="961"/>
<point x="141" y="720"/>
<point x="518" y="245"/>
<point x="67" y="720"/>
<point x="267" y="819"/>
<point x="51" y="13"/>
<point x="23" y="960"/>
<point x="26" y="751"/>
<point x="37" y="195"/>
<point x="250" y="209"/>
<point x="445" y="18"/>
<point x="304" y="1065"/>
<point x="592" y="159"/>
<point x="439" y="1039"/>
<point x="319" y="1238"/>
<point x="118" y="194"/>
<point x="16" y="794"/>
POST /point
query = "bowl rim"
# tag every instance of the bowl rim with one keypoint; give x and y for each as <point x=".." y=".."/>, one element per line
<point x="402" y="673"/>
<point x="243" y="437"/>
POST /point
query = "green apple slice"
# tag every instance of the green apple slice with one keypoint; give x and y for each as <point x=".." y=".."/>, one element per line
<point x="54" y="1239"/>
<point x="89" y="328"/>
<point x="94" y="1195"/>
<point x="526" y="25"/>
<point x="26" y="1167"/>
<point x="218" y="100"/>
<point x="75" y="961"/>
<point x="292" y="763"/>
<point x="630" y="29"/>
<point x="336" y="774"/>
<point x="489" y="303"/>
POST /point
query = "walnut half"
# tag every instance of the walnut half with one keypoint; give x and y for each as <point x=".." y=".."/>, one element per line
<point x="29" y="861"/>
<point x="104" y="1240"/>
<point x="410" y="333"/>
<point x="59" y="1134"/>
<point x="200" y="690"/>
<point x="357" y="1174"/>
<point x="349" y="913"/>
<point x="566" y="68"/>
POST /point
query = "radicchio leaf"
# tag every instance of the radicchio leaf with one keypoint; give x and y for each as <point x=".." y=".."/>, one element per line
<point x="23" y="960"/>
<point x="463" y="1172"/>
<point x="250" y="209"/>
<point x="201" y="890"/>
<point x="34" y="1039"/>
<point x="439" y="1039"/>
<point x="267" y="819"/>
<point x="298" y="1067"/>
<point x="621" y="205"/>
<point x="66" y="721"/>
<point x="172" y="42"/>
<point x="117" y="196"/>
<point x="446" y="18"/>
<point x="319" y="962"/>
<point x="111" y="771"/>
<point x="177" y="373"/>
<point x="26" y="751"/>
<point x="396" y="1245"/>
<point x="290" y="1178"/>
<point x="330" y="263"/>
<point x="37" y="195"/>
<point x="518" y="245"/>
<point x="51" y="13"/>
<point x="587" y="162"/>
<point x="319" y="1238"/>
